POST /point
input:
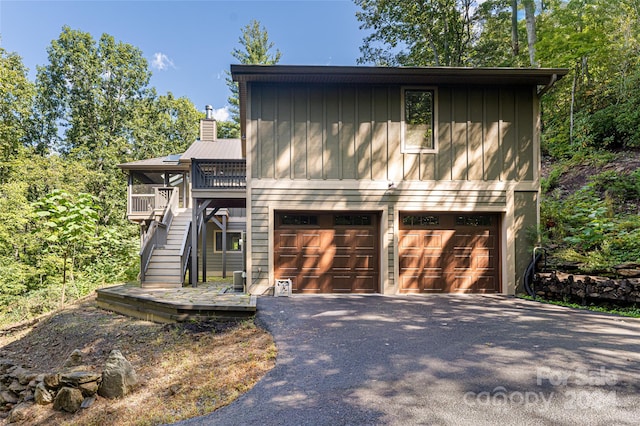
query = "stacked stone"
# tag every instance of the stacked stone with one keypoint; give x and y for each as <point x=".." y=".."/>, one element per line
<point x="71" y="388"/>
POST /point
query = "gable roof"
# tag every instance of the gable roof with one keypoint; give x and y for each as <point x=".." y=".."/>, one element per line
<point x="397" y="75"/>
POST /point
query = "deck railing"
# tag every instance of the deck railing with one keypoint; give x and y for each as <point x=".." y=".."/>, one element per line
<point x="227" y="174"/>
<point x="148" y="198"/>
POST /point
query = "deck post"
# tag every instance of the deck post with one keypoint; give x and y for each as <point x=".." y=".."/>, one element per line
<point x="193" y="275"/>
<point x="204" y="247"/>
<point x="185" y="190"/>
<point x="224" y="246"/>
<point x="129" y="193"/>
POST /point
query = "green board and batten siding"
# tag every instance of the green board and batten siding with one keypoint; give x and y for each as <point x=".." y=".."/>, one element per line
<point x="350" y="136"/>
<point x="308" y="132"/>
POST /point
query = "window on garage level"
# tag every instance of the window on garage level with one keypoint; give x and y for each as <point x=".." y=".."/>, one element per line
<point x="352" y="220"/>
<point x="420" y="221"/>
<point x="418" y="120"/>
<point x="233" y="241"/>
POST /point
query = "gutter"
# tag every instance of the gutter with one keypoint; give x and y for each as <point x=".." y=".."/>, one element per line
<point x="545" y="89"/>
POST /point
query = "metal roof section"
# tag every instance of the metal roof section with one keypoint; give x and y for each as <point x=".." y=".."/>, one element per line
<point x="396" y="75"/>
<point x="168" y="163"/>
<point x="221" y="149"/>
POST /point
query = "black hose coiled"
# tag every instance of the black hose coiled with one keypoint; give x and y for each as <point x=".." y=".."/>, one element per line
<point x="529" y="274"/>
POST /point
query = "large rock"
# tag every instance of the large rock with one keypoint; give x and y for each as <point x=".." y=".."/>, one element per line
<point x="19" y="413"/>
<point x="42" y="395"/>
<point x="17" y="372"/>
<point x="77" y="378"/>
<point x="74" y="360"/>
<point x="68" y="399"/>
<point x="52" y="380"/>
<point x="118" y="376"/>
<point x="89" y="389"/>
<point x="6" y="396"/>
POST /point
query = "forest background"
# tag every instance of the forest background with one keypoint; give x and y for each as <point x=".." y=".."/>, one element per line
<point x="63" y="226"/>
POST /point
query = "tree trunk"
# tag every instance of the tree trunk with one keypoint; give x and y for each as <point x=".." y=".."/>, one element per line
<point x="573" y="100"/>
<point x="529" y="13"/>
<point x="64" y="279"/>
<point x="515" y="47"/>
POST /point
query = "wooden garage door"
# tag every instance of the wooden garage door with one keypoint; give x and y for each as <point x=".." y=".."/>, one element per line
<point x="449" y="253"/>
<point x="327" y="252"/>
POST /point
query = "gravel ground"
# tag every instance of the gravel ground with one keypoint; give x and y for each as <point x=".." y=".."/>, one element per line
<point x="447" y="360"/>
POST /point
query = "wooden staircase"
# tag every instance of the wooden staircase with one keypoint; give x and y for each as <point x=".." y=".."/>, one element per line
<point x="165" y="269"/>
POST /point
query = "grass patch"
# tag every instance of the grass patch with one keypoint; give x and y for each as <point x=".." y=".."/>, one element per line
<point x="625" y="311"/>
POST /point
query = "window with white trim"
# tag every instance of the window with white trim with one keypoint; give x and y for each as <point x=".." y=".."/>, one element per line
<point x="233" y="241"/>
<point x="418" y="120"/>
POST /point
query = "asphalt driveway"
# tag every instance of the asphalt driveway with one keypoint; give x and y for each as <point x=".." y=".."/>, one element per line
<point x="459" y="360"/>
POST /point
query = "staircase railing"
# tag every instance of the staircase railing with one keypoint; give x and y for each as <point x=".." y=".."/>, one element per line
<point x="156" y="235"/>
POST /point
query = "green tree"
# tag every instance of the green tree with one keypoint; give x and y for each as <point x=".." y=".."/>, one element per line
<point x="497" y="40"/>
<point x="70" y="223"/>
<point x="16" y="102"/>
<point x="88" y="94"/>
<point x="596" y="104"/>
<point x="255" y="48"/>
<point x="416" y="33"/>
<point x="228" y="129"/>
<point x="163" y="125"/>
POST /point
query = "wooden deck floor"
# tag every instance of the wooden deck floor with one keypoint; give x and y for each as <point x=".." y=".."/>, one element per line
<point x="207" y="301"/>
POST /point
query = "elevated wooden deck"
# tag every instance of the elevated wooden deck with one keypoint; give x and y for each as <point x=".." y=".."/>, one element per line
<point x="205" y="302"/>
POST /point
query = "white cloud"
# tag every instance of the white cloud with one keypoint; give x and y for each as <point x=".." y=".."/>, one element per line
<point x="161" y="61"/>
<point x="221" y="114"/>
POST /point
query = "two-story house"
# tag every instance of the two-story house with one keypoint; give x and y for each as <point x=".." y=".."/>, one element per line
<point x="354" y="180"/>
<point x="390" y="180"/>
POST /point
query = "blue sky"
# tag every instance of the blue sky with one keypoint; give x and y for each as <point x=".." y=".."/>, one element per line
<point x="188" y="44"/>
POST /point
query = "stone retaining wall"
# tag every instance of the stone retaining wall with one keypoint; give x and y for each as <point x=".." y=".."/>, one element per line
<point x="69" y="389"/>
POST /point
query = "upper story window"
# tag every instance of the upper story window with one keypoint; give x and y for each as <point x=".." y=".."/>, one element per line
<point x="418" y="120"/>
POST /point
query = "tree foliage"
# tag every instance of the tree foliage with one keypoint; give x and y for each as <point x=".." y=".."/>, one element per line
<point x="497" y="40"/>
<point x="255" y="49"/>
<point x="88" y="93"/>
<point x="62" y="197"/>
<point x="596" y="105"/>
<point x="16" y="102"/>
<point x="69" y="224"/>
<point x="416" y="33"/>
<point x="165" y="120"/>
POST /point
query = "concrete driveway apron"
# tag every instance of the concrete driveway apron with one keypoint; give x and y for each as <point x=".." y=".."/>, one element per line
<point x="446" y="360"/>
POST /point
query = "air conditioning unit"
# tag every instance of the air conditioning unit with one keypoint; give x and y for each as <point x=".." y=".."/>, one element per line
<point x="282" y="288"/>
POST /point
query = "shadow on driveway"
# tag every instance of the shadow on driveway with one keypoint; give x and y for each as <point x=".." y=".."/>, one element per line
<point x="446" y="359"/>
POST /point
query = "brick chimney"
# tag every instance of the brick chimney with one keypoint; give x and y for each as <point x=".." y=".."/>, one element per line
<point x="208" y="127"/>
